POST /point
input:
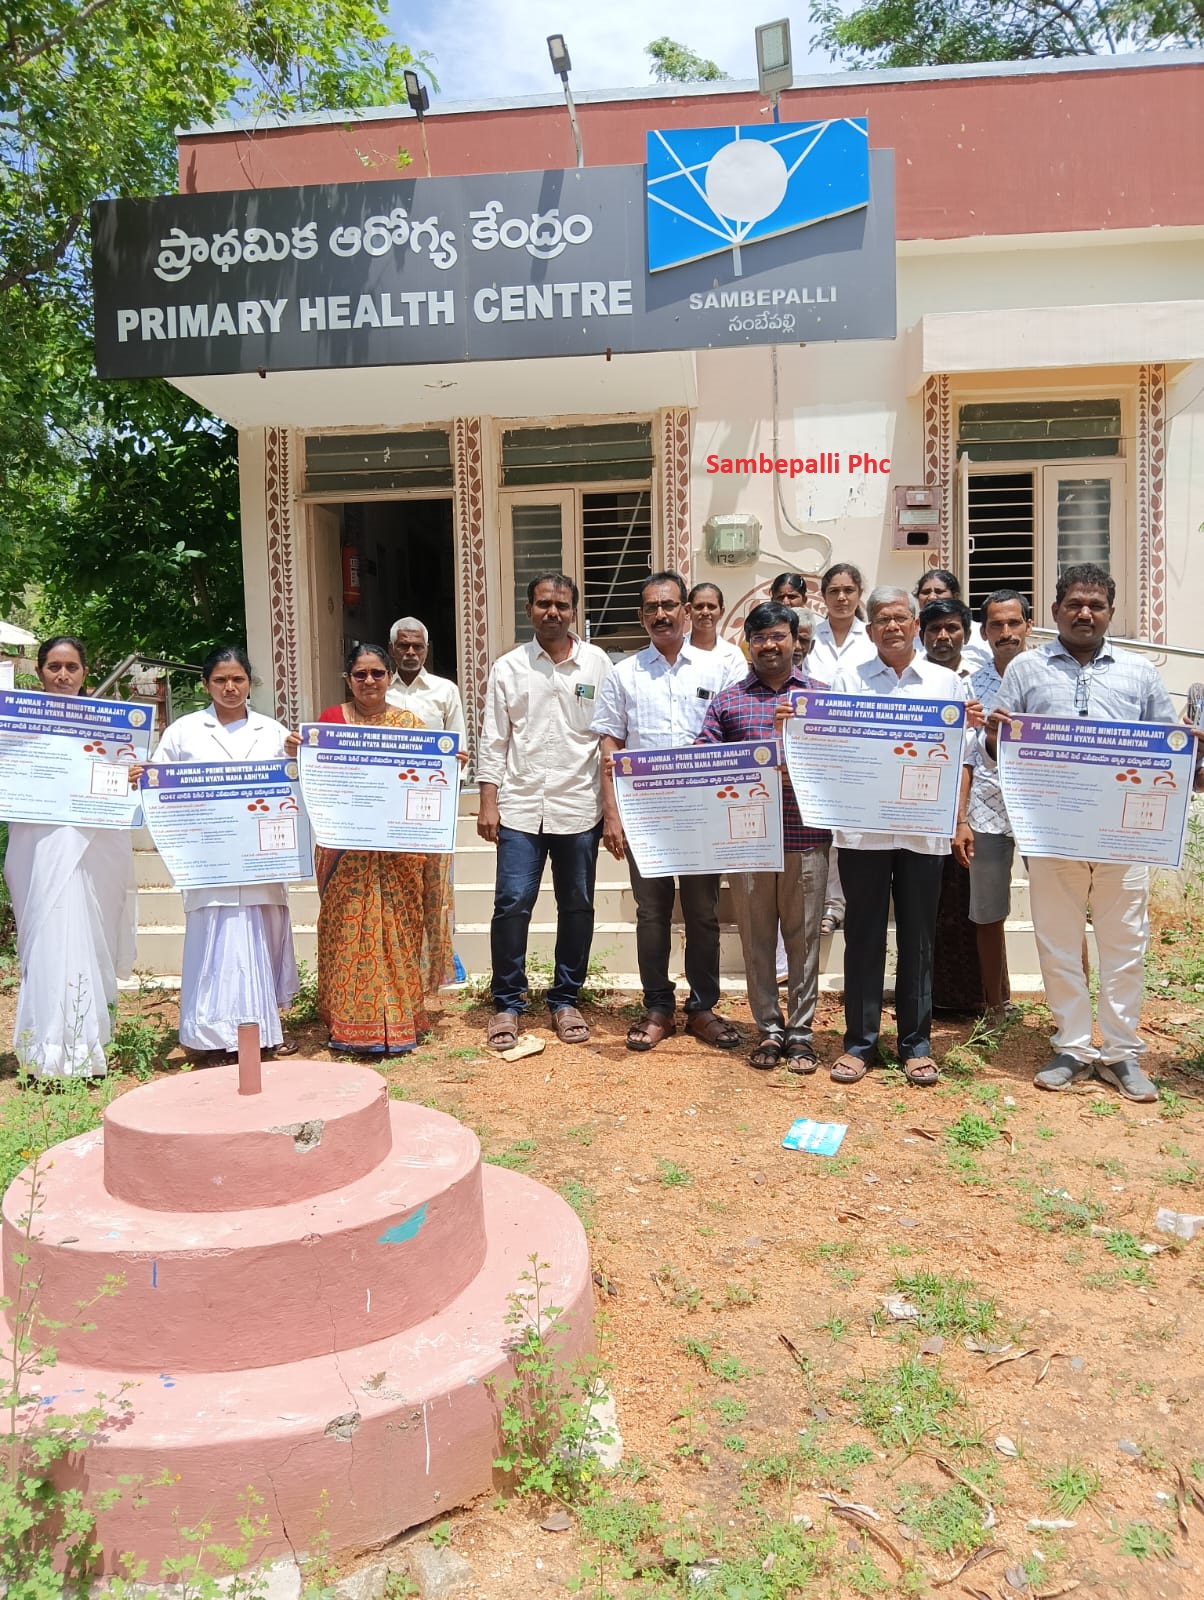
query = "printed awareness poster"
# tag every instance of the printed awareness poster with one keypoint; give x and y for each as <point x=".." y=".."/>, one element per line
<point x="876" y="763"/>
<point x="703" y="808"/>
<point x="1088" y="790"/>
<point x="228" y="822"/>
<point x="381" y="788"/>
<point x="66" y="758"/>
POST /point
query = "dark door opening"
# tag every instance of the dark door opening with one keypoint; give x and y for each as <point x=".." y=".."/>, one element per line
<point x="404" y="558"/>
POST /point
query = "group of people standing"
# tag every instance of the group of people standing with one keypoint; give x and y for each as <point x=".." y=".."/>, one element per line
<point x="557" y="710"/>
<point x="385" y="919"/>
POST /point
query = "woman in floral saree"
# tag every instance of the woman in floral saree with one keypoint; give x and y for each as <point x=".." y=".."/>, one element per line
<point x="381" y="947"/>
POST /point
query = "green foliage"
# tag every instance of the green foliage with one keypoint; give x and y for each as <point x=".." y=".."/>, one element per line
<point x="728" y="1368"/>
<point x="1142" y="1541"/>
<point x="139" y="1045"/>
<point x="1052" y="1211"/>
<point x="913" y="33"/>
<point x="517" y="1156"/>
<point x="582" y="1198"/>
<point x="43" y="1114"/>
<point x="121" y="500"/>
<point x="952" y="1522"/>
<point x="304" y="1008"/>
<point x="972" y="1131"/>
<point x="677" y="63"/>
<point x="547" y="1412"/>
<point x="671" y="1175"/>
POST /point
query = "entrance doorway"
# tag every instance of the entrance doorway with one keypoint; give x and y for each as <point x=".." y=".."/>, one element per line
<point x="374" y="561"/>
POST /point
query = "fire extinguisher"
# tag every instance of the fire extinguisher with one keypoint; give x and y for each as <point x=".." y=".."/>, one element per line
<point x="351" y="575"/>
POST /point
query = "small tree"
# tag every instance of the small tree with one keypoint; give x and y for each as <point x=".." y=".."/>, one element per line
<point x="677" y="63"/>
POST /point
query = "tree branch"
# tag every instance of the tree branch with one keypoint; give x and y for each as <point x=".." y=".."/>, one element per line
<point x="43" y="263"/>
<point x="22" y="59"/>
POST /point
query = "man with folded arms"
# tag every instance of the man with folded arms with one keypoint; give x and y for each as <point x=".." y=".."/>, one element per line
<point x="1081" y="673"/>
<point x="876" y="867"/>
<point x="656" y="700"/>
<point x="793" y="897"/>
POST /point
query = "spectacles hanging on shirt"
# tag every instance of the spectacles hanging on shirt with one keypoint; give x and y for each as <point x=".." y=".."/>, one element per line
<point x="1082" y="690"/>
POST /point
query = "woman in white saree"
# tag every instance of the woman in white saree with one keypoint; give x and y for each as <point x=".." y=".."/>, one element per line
<point x="238" y="943"/>
<point x="73" y="898"/>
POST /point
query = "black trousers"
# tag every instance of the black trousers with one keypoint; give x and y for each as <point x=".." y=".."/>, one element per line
<point x="871" y="878"/>
<point x="654" y="932"/>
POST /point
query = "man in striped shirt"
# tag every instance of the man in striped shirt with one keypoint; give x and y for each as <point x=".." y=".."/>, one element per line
<point x="793" y="897"/>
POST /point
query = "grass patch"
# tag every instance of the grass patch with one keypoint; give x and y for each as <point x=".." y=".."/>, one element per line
<point x="729" y="1369"/>
<point x="949" y="1306"/>
<point x="950" y="1523"/>
<point x="582" y="1198"/>
<point x="905" y="1404"/>
<point x="516" y="1157"/>
<point x="671" y="1176"/>
<point x="972" y="1132"/>
<point x="1052" y="1211"/>
<point x="1070" y="1486"/>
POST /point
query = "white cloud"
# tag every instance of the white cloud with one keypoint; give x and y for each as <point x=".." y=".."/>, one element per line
<point x="495" y="49"/>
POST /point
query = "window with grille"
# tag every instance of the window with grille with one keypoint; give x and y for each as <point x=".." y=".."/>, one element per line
<point x="591" y="453"/>
<point x="338" y="463"/>
<point x="1039" y="430"/>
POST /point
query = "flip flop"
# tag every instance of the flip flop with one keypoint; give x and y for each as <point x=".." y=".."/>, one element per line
<point x="848" y="1069"/>
<point x="648" y="1032"/>
<point x="570" y="1026"/>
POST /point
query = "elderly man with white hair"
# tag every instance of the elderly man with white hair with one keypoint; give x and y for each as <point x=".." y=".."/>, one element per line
<point x="436" y="703"/>
<point x="874" y="867"/>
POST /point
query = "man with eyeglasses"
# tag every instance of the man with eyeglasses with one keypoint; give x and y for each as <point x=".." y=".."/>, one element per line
<point x="657" y="700"/>
<point x="540" y="798"/>
<point x="793" y="897"/>
<point x="1081" y="673"/>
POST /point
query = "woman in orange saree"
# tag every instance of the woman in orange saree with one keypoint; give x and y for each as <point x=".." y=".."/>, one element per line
<point x="381" y="947"/>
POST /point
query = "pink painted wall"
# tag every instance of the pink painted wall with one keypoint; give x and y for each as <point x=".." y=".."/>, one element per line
<point x="1033" y="153"/>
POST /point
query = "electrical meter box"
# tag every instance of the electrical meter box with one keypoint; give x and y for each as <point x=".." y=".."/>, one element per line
<point x="732" y="540"/>
<point x="918" y="517"/>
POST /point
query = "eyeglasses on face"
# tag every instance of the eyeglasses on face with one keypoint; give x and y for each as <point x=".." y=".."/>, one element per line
<point x="363" y="674"/>
<point x="782" y="637"/>
<point x="651" y="607"/>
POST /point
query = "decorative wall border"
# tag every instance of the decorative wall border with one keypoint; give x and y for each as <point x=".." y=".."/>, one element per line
<point x="737" y="611"/>
<point x="473" y="619"/>
<point x="940" y="464"/>
<point x="1151" y="503"/>
<point x="280" y="515"/>
<point x="675" y="490"/>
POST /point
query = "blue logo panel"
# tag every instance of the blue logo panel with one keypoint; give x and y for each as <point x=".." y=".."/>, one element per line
<point x="714" y="189"/>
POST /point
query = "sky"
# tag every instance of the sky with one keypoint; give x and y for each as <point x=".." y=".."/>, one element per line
<point x="495" y="49"/>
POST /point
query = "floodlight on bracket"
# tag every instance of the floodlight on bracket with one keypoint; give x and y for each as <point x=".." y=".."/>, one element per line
<point x="558" y="54"/>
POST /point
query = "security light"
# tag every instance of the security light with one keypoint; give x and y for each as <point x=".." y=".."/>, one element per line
<point x="416" y="94"/>
<point x="559" y="53"/>
<point x="775" y="71"/>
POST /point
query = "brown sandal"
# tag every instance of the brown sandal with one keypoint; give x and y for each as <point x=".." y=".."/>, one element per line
<point x="848" y="1069"/>
<point x="922" y="1071"/>
<point x="501" y="1032"/>
<point x="713" y="1030"/>
<point x="570" y="1026"/>
<point x="648" y="1032"/>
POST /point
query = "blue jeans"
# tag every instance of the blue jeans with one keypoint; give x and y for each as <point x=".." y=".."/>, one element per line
<point x="520" y="864"/>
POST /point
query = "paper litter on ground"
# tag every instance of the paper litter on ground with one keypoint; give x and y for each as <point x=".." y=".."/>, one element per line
<point x="819" y="1138"/>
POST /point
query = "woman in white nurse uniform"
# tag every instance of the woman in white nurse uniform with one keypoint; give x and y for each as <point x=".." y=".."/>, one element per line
<point x="72" y="890"/>
<point x="239" y="964"/>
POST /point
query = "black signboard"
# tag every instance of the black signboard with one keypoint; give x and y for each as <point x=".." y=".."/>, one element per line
<point x="462" y="269"/>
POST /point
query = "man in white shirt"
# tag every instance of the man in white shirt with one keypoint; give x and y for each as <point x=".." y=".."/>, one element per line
<point x="540" y="798"/>
<point x="874" y="867"/>
<point x="434" y="701"/>
<point x="656" y="700"/>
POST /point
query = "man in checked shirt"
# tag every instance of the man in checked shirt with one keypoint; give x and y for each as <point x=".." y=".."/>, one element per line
<point x="795" y="896"/>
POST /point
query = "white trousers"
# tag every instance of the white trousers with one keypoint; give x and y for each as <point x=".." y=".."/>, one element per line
<point x="1118" y="894"/>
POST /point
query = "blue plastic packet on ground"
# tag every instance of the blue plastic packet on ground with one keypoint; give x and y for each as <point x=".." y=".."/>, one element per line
<point x="460" y="972"/>
<point x="819" y="1138"/>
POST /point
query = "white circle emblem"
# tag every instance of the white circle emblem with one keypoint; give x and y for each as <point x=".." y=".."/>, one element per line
<point x="746" y="180"/>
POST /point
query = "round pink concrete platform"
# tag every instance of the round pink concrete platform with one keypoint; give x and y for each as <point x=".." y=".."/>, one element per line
<point x="233" y="1289"/>
<point x="332" y="1329"/>
<point x="194" y="1143"/>
<point x="395" y="1431"/>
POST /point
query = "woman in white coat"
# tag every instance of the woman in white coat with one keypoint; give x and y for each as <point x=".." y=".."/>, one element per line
<point x="238" y="943"/>
<point x="73" y="898"/>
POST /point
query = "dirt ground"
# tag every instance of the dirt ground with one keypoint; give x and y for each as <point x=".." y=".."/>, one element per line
<point x="1049" y="1351"/>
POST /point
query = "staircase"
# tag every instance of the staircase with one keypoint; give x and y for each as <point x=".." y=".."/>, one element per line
<point x="161" y="920"/>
